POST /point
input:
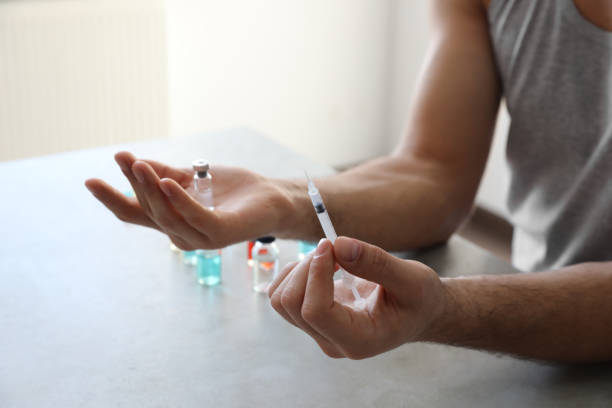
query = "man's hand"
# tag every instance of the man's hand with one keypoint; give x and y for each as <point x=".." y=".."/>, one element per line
<point x="402" y="299"/>
<point x="247" y="205"/>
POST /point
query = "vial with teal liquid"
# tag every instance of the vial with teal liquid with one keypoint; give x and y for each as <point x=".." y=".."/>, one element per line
<point x="208" y="266"/>
<point x="189" y="257"/>
<point x="304" y="248"/>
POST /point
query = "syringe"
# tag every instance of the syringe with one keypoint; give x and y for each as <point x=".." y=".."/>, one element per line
<point x="330" y="233"/>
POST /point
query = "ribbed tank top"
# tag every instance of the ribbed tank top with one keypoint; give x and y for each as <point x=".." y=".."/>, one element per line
<point x="556" y="70"/>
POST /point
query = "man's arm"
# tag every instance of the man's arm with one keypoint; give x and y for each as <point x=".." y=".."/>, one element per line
<point x="562" y="315"/>
<point x="420" y="194"/>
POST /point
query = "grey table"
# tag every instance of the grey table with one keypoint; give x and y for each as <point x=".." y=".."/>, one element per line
<point x="94" y="312"/>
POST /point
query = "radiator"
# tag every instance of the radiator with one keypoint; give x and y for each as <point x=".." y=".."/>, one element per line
<point x="80" y="73"/>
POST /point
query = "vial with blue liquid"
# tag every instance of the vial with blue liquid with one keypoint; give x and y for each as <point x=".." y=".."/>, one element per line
<point x="208" y="266"/>
<point x="189" y="257"/>
<point x="304" y="248"/>
<point x="207" y="261"/>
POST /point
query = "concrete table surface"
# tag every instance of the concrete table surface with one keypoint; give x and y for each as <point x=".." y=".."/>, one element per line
<point x="97" y="313"/>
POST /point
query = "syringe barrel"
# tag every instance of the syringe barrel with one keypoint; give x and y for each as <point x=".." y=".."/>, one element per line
<point x="315" y="198"/>
<point x="328" y="228"/>
<point x="330" y="233"/>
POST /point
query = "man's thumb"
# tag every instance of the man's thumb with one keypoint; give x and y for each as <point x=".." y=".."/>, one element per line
<point x="370" y="262"/>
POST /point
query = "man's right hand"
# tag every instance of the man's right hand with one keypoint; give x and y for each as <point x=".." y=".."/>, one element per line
<point x="247" y="205"/>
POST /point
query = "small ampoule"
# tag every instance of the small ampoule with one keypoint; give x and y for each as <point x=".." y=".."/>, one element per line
<point x="189" y="257"/>
<point x="304" y="248"/>
<point x="207" y="261"/>
<point x="265" y="263"/>
<point x="250" y="245"/>
<point x="208" y="266"/>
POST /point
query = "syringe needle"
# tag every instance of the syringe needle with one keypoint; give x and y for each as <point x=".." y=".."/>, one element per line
<point x="311" y="186"/>
<point x="307" y="178"/>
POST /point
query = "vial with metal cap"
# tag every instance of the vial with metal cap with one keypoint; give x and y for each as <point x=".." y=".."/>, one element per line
<point x="202" y="183"/>
<point x="265" y="263"/>
<point x="202" y="192"/>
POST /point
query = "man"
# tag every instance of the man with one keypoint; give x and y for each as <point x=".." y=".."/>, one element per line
<point x="551" y="60"/>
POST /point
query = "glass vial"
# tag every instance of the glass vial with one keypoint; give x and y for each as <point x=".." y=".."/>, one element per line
<point x="202" y="184"/>
<point x="208" y="266"/>
<point x="304" y="248"/>
<point x="250" y="245"/>
<point x="189" y="257"/>
<point x="265" y="263"/>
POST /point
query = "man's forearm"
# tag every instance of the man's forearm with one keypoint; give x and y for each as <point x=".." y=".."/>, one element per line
<point x="394" y="202"/>
<point x="563" y="315"/>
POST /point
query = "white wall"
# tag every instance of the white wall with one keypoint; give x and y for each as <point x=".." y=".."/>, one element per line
<point x="331" y="80"/>
<point x="77" y="74"/>
<point x="409" y="40"/>
<point x="312" y="75"/>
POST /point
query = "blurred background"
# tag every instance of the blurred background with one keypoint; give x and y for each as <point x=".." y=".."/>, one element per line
<point x="330" y="80"/>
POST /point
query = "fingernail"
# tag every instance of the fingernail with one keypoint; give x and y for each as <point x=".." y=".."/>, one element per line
<point x="138" y="174"/>
<point x="321" y="248"/>
<point x="347" y="249"/>
<point x="165" y="188"/>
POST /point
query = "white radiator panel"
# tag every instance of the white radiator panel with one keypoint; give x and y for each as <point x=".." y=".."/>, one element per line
<point x="80" y="73"/>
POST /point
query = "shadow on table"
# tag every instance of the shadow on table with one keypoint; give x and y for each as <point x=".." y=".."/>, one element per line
<point x="459" y="257"/>
<point x="581" y="374"/>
